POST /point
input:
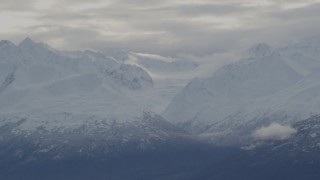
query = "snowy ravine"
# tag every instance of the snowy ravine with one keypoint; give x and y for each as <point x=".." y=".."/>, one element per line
<point x="266" y="85"/>
<point x="62" y="103"/>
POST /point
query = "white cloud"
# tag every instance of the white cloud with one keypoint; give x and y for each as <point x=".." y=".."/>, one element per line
<point x="274" y="131"/>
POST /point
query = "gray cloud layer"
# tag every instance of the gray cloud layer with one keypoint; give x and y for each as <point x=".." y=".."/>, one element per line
<point x="170" y="27"/>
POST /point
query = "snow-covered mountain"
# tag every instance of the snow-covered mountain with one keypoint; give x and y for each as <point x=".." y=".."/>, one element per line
<point x="53" y="99"/>
<point x="83" y="115"/>
<point x="267" y="85"/>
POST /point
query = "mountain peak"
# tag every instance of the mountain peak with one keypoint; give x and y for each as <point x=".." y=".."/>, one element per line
<point x="29" y="45"/>
<point x="27" y="42"/>
<point x="6" y="43"/>
<point x="260" y="50"/>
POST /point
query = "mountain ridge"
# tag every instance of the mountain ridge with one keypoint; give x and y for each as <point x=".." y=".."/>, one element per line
<point x="255" y="91"/>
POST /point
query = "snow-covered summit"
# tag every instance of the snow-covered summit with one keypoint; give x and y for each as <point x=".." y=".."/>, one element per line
<point x="27" y="42"/>
<point x="41" y="83"/>
<point x="256" y="90"/>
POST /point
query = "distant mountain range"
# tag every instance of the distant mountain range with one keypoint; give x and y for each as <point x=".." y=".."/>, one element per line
<point x="83" y="115"/>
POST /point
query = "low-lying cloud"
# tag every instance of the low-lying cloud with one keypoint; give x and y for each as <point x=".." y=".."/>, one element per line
<point x="274" y="131"/>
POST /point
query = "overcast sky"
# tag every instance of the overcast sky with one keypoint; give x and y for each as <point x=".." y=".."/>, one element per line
<point x="168" y="27"/>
